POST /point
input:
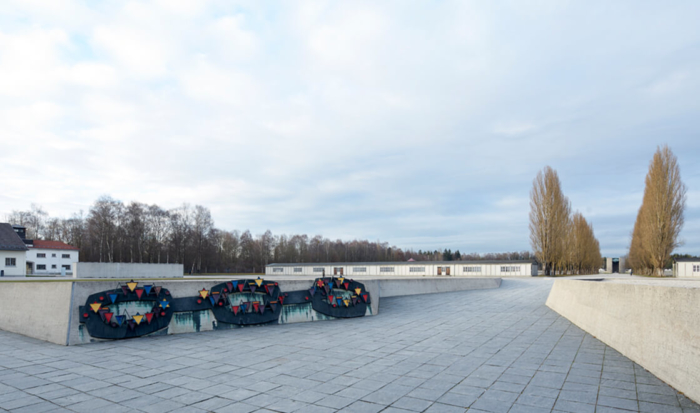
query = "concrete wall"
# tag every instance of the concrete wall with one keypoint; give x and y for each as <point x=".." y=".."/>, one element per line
<point x="126" y="270"/>
<point x="36" y="309"/>
<point x="415" y="286"/>
<point x="20" y="269"/>
<point x="657" y="325"/>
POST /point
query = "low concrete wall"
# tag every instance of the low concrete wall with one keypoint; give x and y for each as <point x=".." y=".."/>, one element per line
<point x="414" y="286"/>
<point x="49" y="310"/>
<point x="657" y="325"/>
<point x="34" y="309"/>
<point x="126" y="270"/>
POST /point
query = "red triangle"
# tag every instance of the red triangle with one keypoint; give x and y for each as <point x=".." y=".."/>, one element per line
<point x="240" y="287"/>
<point x="139" y="292"/>
<point x="108" y="317"/>
<point x="149" y="317"/>
<point x="235" y="309"/>
<point x="346" y="285"/>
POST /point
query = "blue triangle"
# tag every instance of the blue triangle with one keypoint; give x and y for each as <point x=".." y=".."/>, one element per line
<point x="212" y="300"/>
<point x="164" y="304"/>
<point x="235" y="284"/>
<point x="113" y="297"/>
<point x="147" y="288"/>
<point x="120" y="319"/>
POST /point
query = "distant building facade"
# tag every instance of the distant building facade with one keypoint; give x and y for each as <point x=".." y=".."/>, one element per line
<point x="686" y="268"/>
<point x="13" y="252"/>
<point x="50" y="257"/>
<point x="615" y="265"/>
<point x="408" y="268"/>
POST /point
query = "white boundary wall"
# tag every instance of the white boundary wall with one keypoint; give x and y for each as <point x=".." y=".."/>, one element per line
<point x="126" y="270"/>
<point x="417" y="268"/>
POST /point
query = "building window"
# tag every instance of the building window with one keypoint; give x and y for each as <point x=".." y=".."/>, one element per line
<point x="386" y="269"/>
<point x="359" y="269"/>
<point x="471" y="269"/>
<point x="696" y="268"/>
<point x="318" y="269"/>
<point x="41" y="267"/>
<point x="416" y="269"/>
<point x="297" y="269"/>
<point x="65" y="256"/>
<point x="278" y="270"/>
<point x="53" y="266"/>
<point x="41" y="255"/>
<point x="67" y="266"/>
<point x="53" y="255"/>
<point x="510" y="269"/>
<point x="10" y="262"/>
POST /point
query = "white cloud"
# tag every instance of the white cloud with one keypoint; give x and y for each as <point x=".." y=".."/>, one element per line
<point x="415" y="123"/>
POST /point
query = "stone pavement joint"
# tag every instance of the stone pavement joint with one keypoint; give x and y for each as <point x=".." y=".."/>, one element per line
<point x="499" y="350"/>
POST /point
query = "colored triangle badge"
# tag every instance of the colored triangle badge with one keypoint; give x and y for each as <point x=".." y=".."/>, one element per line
<point x="347" y="303"/>
<point x="281" y="299"/>
<point x="256" y="306"/>
<point x="213" y="301"/>
<point x="157" y="289"/>
<point x="365" y="297"/>
<point x="139" y="292"/>
<point x="132" y="284"/>
<point x="229" y="286"/>
<point x="164" y="304"/>
<point x="149" y="317"/>
<point x="132" y="324"/>
<point x="273" y="305"/>
<point x="108" y="317"/>
<point x="113" y="297"/>
<point x="137" y="318"/>
<point x="125" y="290"/>
<point x="119" y="319"/>
<point x="346" y="285"/>
<point x="204" y="293"/>
<point x="354" y="300"/>
<point x="312" y="291"/>
<point x="95" y="307"/>
<point x="358" y="291"/>
<point x="147" y="289"/>
<point x="258" y="282"/>
<point x="252" y="287"/>
<point x="341" y="279"/>
<point x="331" y="299"/>
<point x="235" y="309"/>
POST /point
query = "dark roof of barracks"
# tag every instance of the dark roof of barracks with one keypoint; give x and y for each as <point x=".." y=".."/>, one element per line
<point x="9" y="240"/>
<point x="411" y="263"/>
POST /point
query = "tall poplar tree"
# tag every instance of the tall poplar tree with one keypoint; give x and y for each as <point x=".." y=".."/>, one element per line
<point x="549" y="219"/>
<point x="660" y="219"/>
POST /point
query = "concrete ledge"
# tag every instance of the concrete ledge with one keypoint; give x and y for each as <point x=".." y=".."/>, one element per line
<point x="126" y="270"/>
<point x="657" y="325"/>
<point x="414" y="286"/>
<point x="49" y="310"/>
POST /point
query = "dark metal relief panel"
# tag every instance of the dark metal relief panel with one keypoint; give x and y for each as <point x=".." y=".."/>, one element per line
<point x="132" y="310"/>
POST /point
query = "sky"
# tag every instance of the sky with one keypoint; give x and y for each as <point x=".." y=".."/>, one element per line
<point x="421" y="124"/>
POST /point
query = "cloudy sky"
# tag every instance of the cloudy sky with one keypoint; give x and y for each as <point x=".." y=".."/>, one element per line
<point x="418" y="123"/>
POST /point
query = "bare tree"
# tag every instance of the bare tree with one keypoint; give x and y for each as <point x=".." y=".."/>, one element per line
<point x="549" y="218"/>
<point x="660" y="219"/>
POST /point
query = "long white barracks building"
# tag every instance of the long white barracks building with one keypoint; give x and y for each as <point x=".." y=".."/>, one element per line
<point x="409" y="268"/>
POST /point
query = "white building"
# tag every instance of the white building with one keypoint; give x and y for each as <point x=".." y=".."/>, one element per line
<point x="50" y="257"/>
<point x="409" y="268"/>
<point x="686" y="268"/>
<point x="13" y="252"/>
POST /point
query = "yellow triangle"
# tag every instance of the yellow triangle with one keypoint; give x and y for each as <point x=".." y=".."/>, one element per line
<point x="138" y="319"/>
<point x="341" y="279"/>
<point x="95" y="307"/>
<point x="132" y="285"/>
<point x="347" y="302"/>
<point x="204" y="293"/>
<point x="259" y="282"/>
<point x="358" y="291"/>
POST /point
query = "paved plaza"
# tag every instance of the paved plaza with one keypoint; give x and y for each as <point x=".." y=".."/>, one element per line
<point x="499" y="350"/>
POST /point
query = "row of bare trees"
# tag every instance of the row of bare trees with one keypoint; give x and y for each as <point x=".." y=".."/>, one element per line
<point x="660" y="218"/>
<point x="562" y="242"/>
<point x="135" y="232"/>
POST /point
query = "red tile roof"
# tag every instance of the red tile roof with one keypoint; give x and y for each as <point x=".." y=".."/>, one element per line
<point x="53" y="245"/>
